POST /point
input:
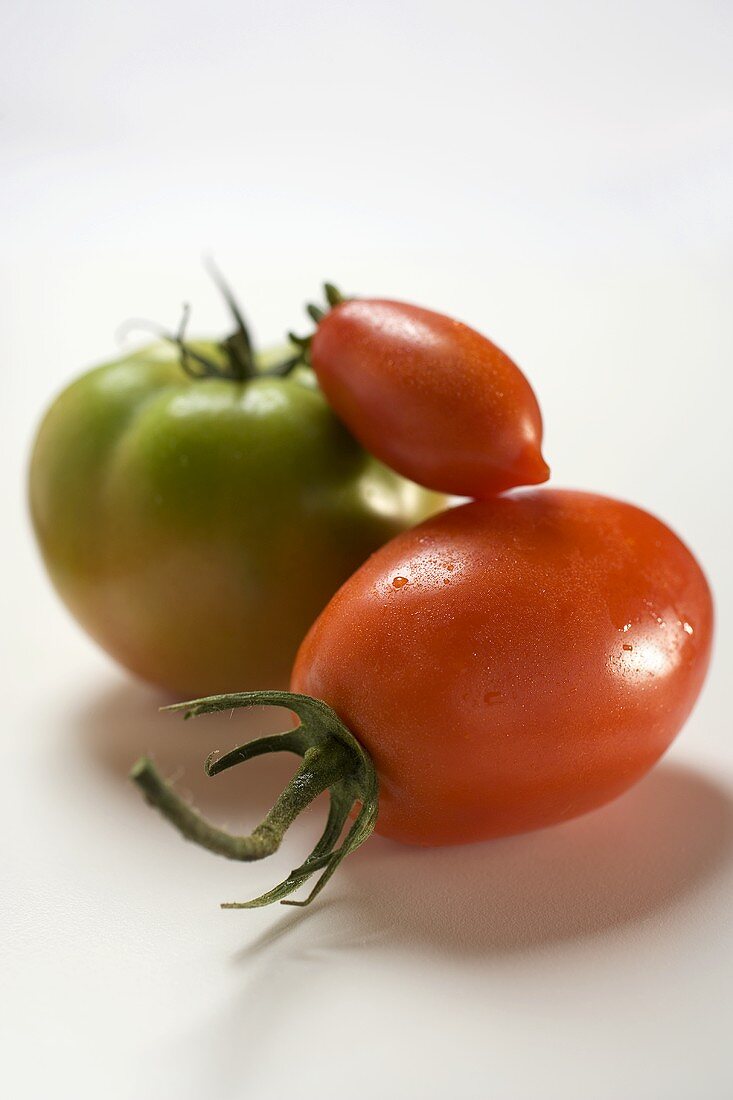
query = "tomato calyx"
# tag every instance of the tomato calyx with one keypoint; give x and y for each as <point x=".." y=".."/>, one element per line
<point x="333" y="760"/>
<point x="334" y="298"/>
<point x="238" y="347"/>
<point x="238" y="363"/>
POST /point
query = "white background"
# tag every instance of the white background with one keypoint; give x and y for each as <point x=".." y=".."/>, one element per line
<point x="559" y="175"/>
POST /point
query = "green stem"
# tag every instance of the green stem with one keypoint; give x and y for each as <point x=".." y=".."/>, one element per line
<point x="333" y="760"/>
<point x="240" y="341"/>
<point x="334" y="298"/>
<point x="321" y="767"/>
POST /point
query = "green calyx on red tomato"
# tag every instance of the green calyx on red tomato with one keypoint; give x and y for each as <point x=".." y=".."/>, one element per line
<point x="197" y="504"/>
<point x="504" y="666"/>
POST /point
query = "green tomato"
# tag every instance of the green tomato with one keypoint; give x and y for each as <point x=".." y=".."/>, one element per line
<point x="197" y="527"/>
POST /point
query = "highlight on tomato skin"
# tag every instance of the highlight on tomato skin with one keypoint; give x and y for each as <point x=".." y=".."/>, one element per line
<point x="430" y="397"/>
<point x="513" y="663"/>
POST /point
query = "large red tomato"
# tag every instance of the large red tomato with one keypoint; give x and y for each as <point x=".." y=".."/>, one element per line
<point x="513" y="663"/>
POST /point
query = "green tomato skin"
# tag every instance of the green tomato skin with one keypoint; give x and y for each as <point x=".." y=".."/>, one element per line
<point x="196" y="528"/>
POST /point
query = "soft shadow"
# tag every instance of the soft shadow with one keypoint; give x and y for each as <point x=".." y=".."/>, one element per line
<point x="124" y="722"/>
<point x="655" y="847"/>
<point x="644" y="853"/>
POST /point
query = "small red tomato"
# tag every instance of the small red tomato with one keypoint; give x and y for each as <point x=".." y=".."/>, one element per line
<point x="512" y="663"/>
<point x="430" y="397"/>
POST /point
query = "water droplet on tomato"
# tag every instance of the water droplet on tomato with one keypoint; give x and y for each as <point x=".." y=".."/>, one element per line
<point x="400" y="582"/>
<point x="628" y="647"/>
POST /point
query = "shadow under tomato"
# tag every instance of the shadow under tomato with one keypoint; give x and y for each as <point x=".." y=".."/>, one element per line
<point x="656" y="847"/>
<point x="640" y="855"/>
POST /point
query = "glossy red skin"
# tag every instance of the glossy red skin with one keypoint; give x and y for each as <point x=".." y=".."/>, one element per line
<point x="430" y="397"/>
<point x="513" y="663"/>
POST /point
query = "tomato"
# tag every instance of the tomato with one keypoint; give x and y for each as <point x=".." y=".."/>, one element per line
<point x="513" y="663"/>
<point x="506" y="665"/>
<point x="429" y="396"/>
<point x="196" y="526"/>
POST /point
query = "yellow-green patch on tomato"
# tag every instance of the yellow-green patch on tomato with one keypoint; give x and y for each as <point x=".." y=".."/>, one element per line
<point x="196" y="527"/>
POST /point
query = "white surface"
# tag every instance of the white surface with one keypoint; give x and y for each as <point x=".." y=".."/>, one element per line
<point x="557" y="174"/>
